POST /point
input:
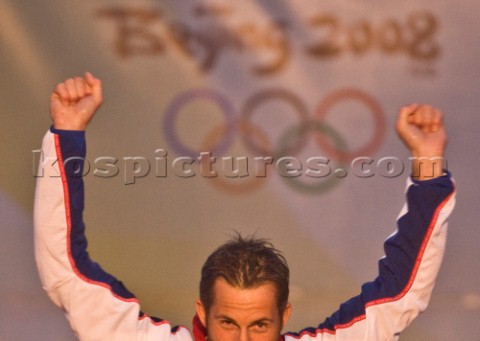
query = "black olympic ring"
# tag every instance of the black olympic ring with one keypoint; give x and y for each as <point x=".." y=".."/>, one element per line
<point x="266" y="95"/>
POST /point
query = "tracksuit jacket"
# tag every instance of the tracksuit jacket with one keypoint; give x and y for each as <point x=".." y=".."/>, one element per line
<point x="99" y="307"/>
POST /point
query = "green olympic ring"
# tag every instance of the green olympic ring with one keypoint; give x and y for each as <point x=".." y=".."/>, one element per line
<point x="298" y="131"/>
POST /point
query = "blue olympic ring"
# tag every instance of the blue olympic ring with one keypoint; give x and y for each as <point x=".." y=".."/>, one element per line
<point x="176" y="105"/>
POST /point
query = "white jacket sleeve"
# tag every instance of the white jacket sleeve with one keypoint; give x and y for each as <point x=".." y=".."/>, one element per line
<point x="97" y="305"/>
<point x="407" y="273"/>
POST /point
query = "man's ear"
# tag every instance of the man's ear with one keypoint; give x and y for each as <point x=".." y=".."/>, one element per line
<point x="286" y="314"/>
<point x="201" y="313"/>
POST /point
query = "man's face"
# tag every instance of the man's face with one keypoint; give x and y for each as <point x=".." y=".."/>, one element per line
<point x="243" y="314"/>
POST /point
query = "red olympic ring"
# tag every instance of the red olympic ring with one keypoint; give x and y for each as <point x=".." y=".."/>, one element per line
<point x="261" y="97"/>
<point x="242" y="186"/>
<point x="379" y="133"/>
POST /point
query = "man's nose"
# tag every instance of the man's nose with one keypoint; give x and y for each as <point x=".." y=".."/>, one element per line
<point x="244" y="335"/>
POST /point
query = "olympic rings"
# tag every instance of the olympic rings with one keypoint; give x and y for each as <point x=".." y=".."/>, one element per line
<point x="333" y="99"/>
<point x="266" y="95"/>
<point x="220" y="139"/>
<point x="243" y="186"/>
<point x="301" y="129"/>
<point x="176" y="105"/>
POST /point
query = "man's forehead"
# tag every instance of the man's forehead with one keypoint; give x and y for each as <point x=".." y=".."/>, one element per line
<point x="262" y="295"/>
<point x="221" y="285"/>
<point x="244" y="307"/>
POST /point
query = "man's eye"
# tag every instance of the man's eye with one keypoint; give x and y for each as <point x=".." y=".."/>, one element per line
<point x="227" y="324"/>
<point x="261" y="325"/>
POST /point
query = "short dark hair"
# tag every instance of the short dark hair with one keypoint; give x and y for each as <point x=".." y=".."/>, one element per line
<point x="245" y="263"/>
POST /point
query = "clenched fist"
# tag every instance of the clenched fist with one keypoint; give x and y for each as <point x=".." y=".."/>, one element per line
<point x="75" y="101"/>
<point x="422" y="130"/>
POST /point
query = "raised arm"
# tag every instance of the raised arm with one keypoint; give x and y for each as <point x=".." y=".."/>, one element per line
<point x="97" y="305"/>
<point x="413" y="254"/>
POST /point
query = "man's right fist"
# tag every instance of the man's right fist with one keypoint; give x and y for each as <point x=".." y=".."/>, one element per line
<point x="75" y="101"/>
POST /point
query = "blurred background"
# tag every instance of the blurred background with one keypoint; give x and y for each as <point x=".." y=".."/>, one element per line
<point x="251" y="79"/>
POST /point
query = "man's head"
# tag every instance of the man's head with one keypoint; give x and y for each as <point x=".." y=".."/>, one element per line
<point x="244" y="290"/>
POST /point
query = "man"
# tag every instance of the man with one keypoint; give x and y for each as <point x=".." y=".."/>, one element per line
<point x="244" y="284"/>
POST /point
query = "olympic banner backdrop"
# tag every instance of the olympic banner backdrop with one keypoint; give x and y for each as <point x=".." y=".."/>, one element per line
<point x="273" y="117"/>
